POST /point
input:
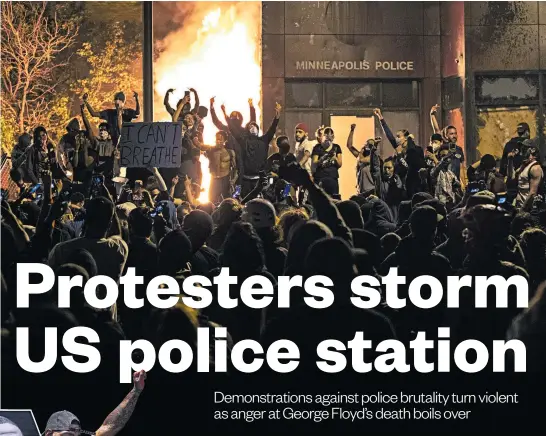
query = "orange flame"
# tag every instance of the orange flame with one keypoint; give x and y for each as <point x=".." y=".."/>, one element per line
<point x="216" y="52"/>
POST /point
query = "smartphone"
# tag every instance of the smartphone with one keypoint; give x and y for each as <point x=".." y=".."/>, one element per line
<point x="501" y="199"/>
<point x="156" y="211"/>
<point x="473" y="187"/>
<point x="430" y="149"/>
<point x="35" y="188"/>
<point x="237" y="191"/>
<point x="98" y="179"/>
<point x="286" y="190"/>
<point x="271" y="180"/>
<point x="38" y="198"/>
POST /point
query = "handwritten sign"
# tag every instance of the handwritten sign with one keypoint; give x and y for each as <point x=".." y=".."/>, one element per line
<point x="145" y="145"/>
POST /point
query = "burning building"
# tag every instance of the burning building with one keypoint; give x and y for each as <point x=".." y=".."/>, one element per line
<point x="331" y="63"/>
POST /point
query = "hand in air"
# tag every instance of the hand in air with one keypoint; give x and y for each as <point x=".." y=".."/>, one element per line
<point x="250" y="103"/>
<point x="175" y="180"/>
<point x="353" y="126"/>
<point x="434" y="109"/>
<point x="85" y="96"/>
<point x="139" y="378"/>
<point x="223" y="107"/>
<point x="135" y="94"/>
<point x="377" y="113"/>
<point x="187" y="182"/>
<point x="170" y="91"/>
<point x="212" y="101"/>
<point x="278" y="107"/>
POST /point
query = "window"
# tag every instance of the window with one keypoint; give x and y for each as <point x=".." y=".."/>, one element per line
<point x="400" y="94"/>
<point x="352" y="94"/>
<point x="499" y="90"/>
<point x="452" y="92"/>
<point x="302" y="95"/>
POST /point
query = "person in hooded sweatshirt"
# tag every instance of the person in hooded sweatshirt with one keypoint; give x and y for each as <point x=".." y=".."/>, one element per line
<point x="198" y="227"/>
<point x="414" y="257"/>
<point x="253" y="149"/>
<point x="19" y="157"/>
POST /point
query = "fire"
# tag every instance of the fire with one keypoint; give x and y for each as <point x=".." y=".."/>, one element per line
<point x="216" y="52"/>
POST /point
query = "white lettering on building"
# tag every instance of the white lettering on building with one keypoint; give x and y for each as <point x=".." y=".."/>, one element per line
<point x="355" y="65"/>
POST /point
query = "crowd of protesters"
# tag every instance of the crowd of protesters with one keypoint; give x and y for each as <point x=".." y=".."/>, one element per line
<point x="272" y="214"/>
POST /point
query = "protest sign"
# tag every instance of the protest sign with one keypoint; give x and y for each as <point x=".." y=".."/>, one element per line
<point x="151" y="145"/>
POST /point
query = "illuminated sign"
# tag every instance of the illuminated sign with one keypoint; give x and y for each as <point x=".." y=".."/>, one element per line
<point x="355" y="65"/>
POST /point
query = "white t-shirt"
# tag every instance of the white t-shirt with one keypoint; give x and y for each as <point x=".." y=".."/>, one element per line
<point x="301" y="148"/>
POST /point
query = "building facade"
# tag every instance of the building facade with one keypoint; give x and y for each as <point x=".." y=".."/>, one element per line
<point x="484" y="63"/>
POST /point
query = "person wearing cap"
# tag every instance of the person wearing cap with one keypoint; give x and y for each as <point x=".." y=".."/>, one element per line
<point x="9" y="428"/>
<point x="304" y="146"/>
<point x="253" y="149"/>
<point x="514" y="146"/>
<point x="327" y="159"/>
<point x="65" y="423"/>
<point x="111" y="115"/>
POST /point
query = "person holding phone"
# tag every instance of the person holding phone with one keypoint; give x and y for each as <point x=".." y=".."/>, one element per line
<point x="327" y="159"/>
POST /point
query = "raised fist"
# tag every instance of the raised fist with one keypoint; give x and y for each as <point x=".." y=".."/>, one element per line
<point x="170" y="91"/>
<point x="135" y="94"/>
<point x="377" y="112"/>
<point x="85" y="96"/>
<point x="211" y="101"/>
<point x="138" y="380"/>
<point x="278" y="107"/>
<point x="434" y="109"/>
<point x="250" y="103"/>
<point x="353" y="126"/>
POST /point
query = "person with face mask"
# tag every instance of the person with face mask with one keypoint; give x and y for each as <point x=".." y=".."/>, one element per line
<point x="327" y="159"/>
<point x="253" y="149"/>
<point x="222" y="166"/>
<point x="185" y="102"/>
<point x="449" y="137"/>
<point x="280" y="159"/>
<point x="111" y="115"/>
<point x="368" y="164"/>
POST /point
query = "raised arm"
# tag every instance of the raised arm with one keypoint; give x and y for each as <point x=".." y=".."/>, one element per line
<point x="178" y="111"/>
<point x="352" y="149"/>
<point x="385" y="127"/>
<point x="92" y="111"/>
<point x="252" y="110"/>
<point x="268" y="136"/>
<point x="166" y="102"/>
<point x="433" y="120"/>
<point x="219" y="125"/>
<point x="196" y="104"/>
<point x="137" y="109"/>
<point x="119" y="417"/>
<point x="88" y="128"/>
